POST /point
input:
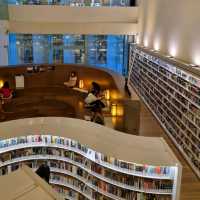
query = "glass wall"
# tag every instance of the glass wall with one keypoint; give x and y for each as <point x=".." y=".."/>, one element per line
<point x="109" y="51"/>
<point x="90" y="3"/>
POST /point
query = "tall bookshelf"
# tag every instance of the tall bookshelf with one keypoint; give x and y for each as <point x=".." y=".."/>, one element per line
<point x="78" y="172"/>
<point x="172" y="93"/>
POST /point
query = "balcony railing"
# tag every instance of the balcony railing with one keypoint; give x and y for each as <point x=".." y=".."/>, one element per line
<point x="78" y="3"/>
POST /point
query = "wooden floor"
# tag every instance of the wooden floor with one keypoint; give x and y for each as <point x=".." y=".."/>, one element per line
<point x="190" y="189"/>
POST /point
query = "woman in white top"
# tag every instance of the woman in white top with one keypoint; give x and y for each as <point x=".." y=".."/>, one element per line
<point x="94" y="98"/>
<point x="91" y="98"/>
<point x="72" y="80"/>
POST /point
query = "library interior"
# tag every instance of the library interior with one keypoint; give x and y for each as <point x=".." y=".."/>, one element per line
<point x="99" y="100"/>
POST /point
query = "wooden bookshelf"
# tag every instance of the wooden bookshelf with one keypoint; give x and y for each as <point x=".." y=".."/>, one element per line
<point x="172" y="93"/>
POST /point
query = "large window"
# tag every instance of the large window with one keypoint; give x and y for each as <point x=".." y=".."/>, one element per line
<point x="109" y="51"/>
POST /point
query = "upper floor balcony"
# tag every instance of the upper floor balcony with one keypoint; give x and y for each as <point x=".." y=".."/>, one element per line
<point x="57" y="19"/>
<point x="79" y="3"/>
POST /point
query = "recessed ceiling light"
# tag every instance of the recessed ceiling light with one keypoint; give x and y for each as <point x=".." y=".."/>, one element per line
<point x="168" y="56"/>
<point x="193" y="65"/>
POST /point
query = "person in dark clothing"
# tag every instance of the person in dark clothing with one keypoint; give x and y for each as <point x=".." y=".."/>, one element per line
<point x="95" y="88"/>
<point x="126" y="87"/>
<point x="44" y="172"/>
<point x="94" y="99"/>
<point x="97" y="116"/>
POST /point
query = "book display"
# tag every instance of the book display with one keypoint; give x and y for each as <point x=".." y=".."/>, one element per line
<point x="78" y="172"/>
<point x="173" y="95"/>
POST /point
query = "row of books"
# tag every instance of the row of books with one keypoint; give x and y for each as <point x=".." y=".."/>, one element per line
<point x="159" y="92"/>
<point x="169" y="67"/>
<point x="69" y="193"/>
<point x="103" y="187"/>
<point x="87" y="167"/>
<point x="87" y="152"/>
<point x="192" y="125"/>
<point x="192" y="153"/>
<point x="181" y="120"/>
<point x="173" y="99"/>
<point x="172" y="86"/>
<point x="186" y="88"/>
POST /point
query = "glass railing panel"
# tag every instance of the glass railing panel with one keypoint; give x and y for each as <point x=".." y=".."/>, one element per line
<point x="79" y="3"/>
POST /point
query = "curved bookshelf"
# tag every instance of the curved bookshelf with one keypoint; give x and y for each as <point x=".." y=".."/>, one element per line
<point x="47" y="148"/>
<point x="105" y="164"/>
<point x="141" y="168"/>
<point x="167" y="192"/>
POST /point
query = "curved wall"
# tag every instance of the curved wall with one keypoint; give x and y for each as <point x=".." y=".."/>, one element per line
<point x="171" y="27"/>
<point x="51" y="78"/>
<point x="136" y="149"/>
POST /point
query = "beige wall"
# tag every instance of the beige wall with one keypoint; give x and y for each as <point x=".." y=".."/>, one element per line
<point x="45" y="13"/>
<point x="172" y="26"/>
<point x="73" y="28"/>
<point x="75" y="20"/>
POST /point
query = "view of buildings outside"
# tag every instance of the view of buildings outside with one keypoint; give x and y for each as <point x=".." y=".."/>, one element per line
<point x="109" y="51"/>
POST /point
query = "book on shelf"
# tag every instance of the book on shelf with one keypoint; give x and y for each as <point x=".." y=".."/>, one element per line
<point x="178" y="106"/>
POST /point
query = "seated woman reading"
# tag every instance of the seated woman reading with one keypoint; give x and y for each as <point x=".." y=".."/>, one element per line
<point x="72" y="80"/>
<point x="94" y="99"/>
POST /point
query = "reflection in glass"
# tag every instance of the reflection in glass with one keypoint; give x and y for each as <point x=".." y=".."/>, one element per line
<point x="40" y="49"/>
<point x="74" y="49"/>
<point x="109" y="51"/>
<point x="20" y="49"/>
<point x="57" y="44"/>
<point x="91" y="3"/>
<point x="97" y="48"/>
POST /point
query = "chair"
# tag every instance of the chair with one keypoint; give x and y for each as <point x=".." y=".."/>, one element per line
<point x="5" y="99"/>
